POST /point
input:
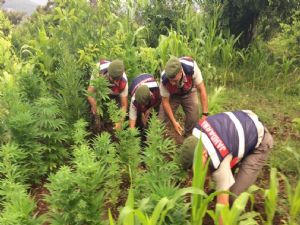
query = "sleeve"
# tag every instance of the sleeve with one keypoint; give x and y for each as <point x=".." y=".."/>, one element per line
<point x="132" y="110"/>
<point x="124" y="93"/>
<point x="163" y="90"/>
<point x="223" y="176"/>
<point x="197" y="76"/>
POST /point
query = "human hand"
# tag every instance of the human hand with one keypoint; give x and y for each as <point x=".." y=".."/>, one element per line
<point x="117" y="126"/>
<point x="178" y="128"/>
<point x="145" y="117"/>
<point x="94" y="111"/>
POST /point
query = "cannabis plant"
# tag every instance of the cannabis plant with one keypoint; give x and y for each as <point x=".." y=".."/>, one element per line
<point x="18" y="206"/>
<point x="107" y="153"/>
<point x="76" y="195"/>
<point x="13" y="163"/>
<point x="52" y="132"/>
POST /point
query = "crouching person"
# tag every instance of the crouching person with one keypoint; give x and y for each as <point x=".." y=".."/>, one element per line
<point x="145" y="95"/>
<point x="230" y="140"/>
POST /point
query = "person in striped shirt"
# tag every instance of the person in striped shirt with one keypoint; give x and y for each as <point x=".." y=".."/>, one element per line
<point x="230" y="140"/>
<point x="180" y="83"/>
<point x="115" y="73"/>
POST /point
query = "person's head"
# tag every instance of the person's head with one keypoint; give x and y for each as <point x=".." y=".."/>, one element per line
<point x="173" y="71"/>
<point x="116" y="69"/>
<point x="142" y="95"/>
<point x="187" y="152"/>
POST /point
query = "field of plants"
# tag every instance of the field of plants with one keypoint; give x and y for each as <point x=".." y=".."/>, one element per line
<point x="54" y="169"/>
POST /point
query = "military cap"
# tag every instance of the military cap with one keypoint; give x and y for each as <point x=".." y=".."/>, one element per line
<point x="187" y="151"/>
<point x="142" y="95"/>
<point x="116" y="69"/>
<point x="173" y="67"/>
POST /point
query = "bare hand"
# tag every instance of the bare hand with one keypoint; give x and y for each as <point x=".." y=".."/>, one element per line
<point x="117" y="126"/>
<point x="145" y="117"/>
<point x="178" y="128"/>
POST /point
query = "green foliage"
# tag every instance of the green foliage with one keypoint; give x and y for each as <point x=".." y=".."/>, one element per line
<point x="271" y="196"/>
<point x="18" y="207"/>
<point x="286" y="43"/>
<point x="293" y="201"/>
<point x="101" y="95"/>
<point x="107" y="153"/>
<point x="216" y="100"/>
<point x="199" y="201"/>
<point x="286" y="156"/>
<point x="76" y="196"/>
<point x="173" y="44"/>
<point x="52" y="132"/>
<point x="79" y="133"/>
<point x="70" y="90"/>
<point x="5" y="25"/>
<point x="234" y="215"/>
<point x="159" y="17"/>
<point x="128" y="147"/>
<point x="12" y="163"/>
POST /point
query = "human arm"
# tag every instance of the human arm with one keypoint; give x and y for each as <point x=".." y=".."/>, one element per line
<point x="200" y="86"/>
<point x="92" y="100"/>
<point x="132" y="114"/>
<point x="124" y="105"/>
<point x="168" y="110"/>
<point x="224" y="180"/>
<point x="203" y="98"/>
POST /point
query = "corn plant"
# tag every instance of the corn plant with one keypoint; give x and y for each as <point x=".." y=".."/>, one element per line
<point x="199" y="202"/>
<point x="216" y="100"/>
<point x="174" y="44"/>
<point x="234" y="215"/>
<point x="271" y="196"/>
<point x="130" y="215"/>
<point x="293" y="201"/>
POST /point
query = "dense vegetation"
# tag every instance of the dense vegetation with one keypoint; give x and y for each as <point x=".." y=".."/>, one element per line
<point x="46" y="142"/>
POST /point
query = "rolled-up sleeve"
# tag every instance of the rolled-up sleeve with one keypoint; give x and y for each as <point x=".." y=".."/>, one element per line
<point x="223" y="176"/>
<point x="163" y="90"/>
<point x="132" y="110"/>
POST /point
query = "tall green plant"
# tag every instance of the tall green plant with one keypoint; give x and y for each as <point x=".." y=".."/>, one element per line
<point x="106" y="151"/>
<point x="51" y="132"/>
<point x="76" y="196"/>
<point x="271" y="196"/>
<point x="293" y="201"/>
<point x="18" y="206"/>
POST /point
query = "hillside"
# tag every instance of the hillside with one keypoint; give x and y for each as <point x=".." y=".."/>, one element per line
<point x="26" y="6"/>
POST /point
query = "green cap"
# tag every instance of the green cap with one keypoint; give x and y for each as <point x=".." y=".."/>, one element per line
<point x="173" y="67"/>
<point x="116" y="69"/>
<point x="142" y="94"/>
<point x="187" y="151"/>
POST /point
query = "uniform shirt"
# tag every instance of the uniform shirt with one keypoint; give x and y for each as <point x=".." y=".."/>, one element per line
<point x="197" y="78"/>
<point x="223" y="176"/>
<point x="103" y="70"/>
<point x="148" y="80"/>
